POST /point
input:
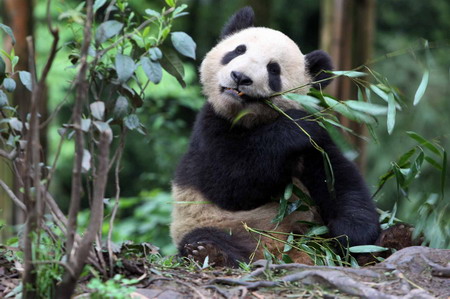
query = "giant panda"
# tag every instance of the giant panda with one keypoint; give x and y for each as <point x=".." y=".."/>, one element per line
<point x="238" y="163"/>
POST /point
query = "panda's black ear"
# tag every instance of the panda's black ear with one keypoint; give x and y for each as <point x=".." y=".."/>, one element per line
<point x="242" y="19"/>
<point x="316" y="63"/>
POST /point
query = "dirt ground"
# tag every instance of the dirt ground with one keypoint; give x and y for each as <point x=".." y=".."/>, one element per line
<point x="413" y="272"/>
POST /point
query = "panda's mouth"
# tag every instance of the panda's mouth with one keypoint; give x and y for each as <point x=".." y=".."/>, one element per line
<point x="239" y="95"/>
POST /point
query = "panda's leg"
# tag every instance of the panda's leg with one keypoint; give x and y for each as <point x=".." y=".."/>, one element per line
<point x="221" y="248"/>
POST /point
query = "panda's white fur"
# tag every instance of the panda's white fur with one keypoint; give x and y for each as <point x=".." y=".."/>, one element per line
<point x="264" y="45"/>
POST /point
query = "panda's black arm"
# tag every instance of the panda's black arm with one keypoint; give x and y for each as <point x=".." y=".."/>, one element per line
<point x="351" y="211"/>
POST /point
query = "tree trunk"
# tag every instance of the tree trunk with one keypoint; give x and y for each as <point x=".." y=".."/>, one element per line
<point x="347" y="35"/>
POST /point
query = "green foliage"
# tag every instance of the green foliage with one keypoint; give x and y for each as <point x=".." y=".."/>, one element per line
<point x="118" y="287"/>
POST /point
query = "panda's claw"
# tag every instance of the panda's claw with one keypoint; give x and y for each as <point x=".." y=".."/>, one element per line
<point x="201" y="248"/>
<point x="195" y="252"/>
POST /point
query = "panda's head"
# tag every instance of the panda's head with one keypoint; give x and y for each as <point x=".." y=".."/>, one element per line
<point x="251" y="64"/>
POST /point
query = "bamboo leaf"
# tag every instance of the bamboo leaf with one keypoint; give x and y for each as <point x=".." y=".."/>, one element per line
<point x="288" y="191"/>
<point x="381" y="93"/>
<point x="367" y="249"/>
<point x="369" y="108"/>
<point x="351" y="74"/>
<point x="422" y="87"/>
<point x="302" y="99"/>
<point x="443" y="173"/>
<point x="424" y="142"/>
<point x="391" y="113"/>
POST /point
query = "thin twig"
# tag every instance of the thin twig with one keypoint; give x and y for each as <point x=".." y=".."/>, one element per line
<point x="81" y="95"/>
<point x="13" y="197"/>
<point x="10" y="156"/>
<point x="116" y="202"/>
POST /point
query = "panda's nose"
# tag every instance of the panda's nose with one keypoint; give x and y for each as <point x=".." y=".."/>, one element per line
<point x="240" y="78"/>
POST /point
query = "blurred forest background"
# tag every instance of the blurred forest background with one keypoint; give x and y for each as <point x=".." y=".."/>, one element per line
<point x="392" y="30"/>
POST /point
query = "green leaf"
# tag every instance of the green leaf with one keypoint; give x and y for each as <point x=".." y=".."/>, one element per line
<point x="173" y="65"/>
<point x="433" y="163"/>
<point x="351" y="74"/>
<point x="102" y="126"/>
<point x="85" y="124"/>
<point x="125" y="67"/>
<point x="3" y="99"/>
<point x="424" y="142"/>
<point x="381" y="93"/>
<point x="302" y="99"/>
<point x="318" y="230"/>
<point x="152" y="69"/>
<point x="288" y="191"/>
<point x="415" y="168"/>
<point x="152" y="13"/>
<point x="184" y="44"/>
<point x="406" y="156"/>
<point x="25" y="78"/>
<point x="2" y="68"/>
<point x="281" y="211"/>
<point x="443" y="173"/>
<point x="9" y="32"/>
<point x="107" y="30"/>
<point x="368" y="108"/>
<point x="345" y="111"/>
<point x="171" y="3"/>
<point x="391" y="113"/>
<point x="121" y="107"/>
<point x="289" y="241"/>
<point x="178" y="11"/>
<point x="422" y="87"/>
<point x="86" y="161"/>
<point x="98" y="4"/>
<point x="367" y="249"/>
<point x="155" y="53"/>
<point x="98" y="110"/>
<point x="9" y="84"/>
<point x="131" y="122"/>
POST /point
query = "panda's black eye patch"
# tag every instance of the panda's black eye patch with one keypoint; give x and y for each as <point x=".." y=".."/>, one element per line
<point x="274" y="71"/>
<point x="274" y="68"/>
<point x="233" y="54"/>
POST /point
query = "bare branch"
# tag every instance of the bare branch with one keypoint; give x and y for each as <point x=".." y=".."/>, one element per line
<point x="77" y="260"/>
<point x="10" y="156"/>
<point x="116" y="201"/>
<point x="12" y="196"/>
<point x="82" y="93"/>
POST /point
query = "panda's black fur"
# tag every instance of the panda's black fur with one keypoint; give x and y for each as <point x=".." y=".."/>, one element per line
<point x="240" y="168"/>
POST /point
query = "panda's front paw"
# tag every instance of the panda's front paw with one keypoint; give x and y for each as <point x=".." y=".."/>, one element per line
<point x="199" y="251"/>
<point x="351" y="232"/>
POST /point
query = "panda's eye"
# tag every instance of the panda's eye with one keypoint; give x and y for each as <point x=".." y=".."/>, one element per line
<point x="240" y="49"/>
<point x="273" y="68"/>
<point x="233" y="54"/>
